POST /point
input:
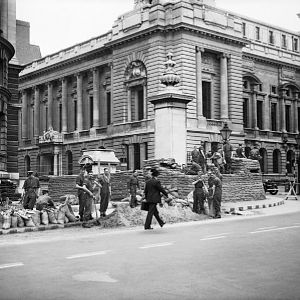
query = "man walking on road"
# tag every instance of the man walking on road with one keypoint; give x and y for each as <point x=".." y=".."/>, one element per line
<point x="105" y="192"/>
<point x="153" y="189"/>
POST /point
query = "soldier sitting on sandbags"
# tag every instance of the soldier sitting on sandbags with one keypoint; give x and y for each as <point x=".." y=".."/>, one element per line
<point x="44" y="201"/>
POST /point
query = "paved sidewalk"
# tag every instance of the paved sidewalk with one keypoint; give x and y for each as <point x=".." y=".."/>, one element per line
<point x="270" y="201"/>
<point x="227" y="207"/>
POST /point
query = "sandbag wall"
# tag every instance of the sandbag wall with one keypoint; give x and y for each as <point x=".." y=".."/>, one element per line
<point x="244" y="185"/>
<point x="62" y="185"/>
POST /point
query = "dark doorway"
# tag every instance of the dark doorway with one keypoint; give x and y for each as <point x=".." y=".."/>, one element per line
<point x="137" y="156"/>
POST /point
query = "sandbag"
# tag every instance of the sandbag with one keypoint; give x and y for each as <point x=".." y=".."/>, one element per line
<point x="69" y="214"/>
<point x="6" y="221"/>
<point x="36" y="217"/>
<point x="44" y="218"/>
<point x="29" y="223"/>
<point x="51" y="216"/>
<point x="66" y="219"/>
<point x="61" y="217"/>
<point x="14" y="221"/>
<point x="20" y="221"/>
<point x="1" y="220"/>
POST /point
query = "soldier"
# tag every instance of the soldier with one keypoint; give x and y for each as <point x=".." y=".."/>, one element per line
<point x="133" y="185"/>
<point x="105" y="193"/>
<point x="240" y="151"/>
<point x="228" y="152"/>
<point x="88" y="188"/>
<point x="202" y="159"/>
<point x="31" y="187"/>
<point x="215" y="187"/>
<point x="80" y="191"/>
<point x="195" y="154"/>
<point x="199" y="195"/>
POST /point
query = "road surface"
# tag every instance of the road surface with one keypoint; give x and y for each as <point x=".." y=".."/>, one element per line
<point x="235" y="258"/>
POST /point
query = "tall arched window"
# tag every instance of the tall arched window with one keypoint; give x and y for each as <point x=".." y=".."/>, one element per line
<point x="27" y="164"/>
<point x="264" y="160"/>
<point x="276" y="161"/>
<point x="252" y="85"/>
<point x="70" y="162"/>
<point x="136" y="84"/>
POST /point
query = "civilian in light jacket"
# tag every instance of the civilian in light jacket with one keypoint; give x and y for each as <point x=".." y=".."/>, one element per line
<point x="153" y="189"/>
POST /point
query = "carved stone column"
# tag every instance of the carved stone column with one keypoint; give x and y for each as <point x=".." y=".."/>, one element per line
<point x="64" y="93"/>
<point x="96" y="98"/>
<point x="295" y="108"/>
<point x="79" y="103"/>
<point x="142" y="154"/>
<point x="24" y="115"/>
<point x="224" y="87"/>
<point x="129" y="118"/>
<point x="50" y="105"/>
<point x="254" y="106"/>
<point x="282" y="109"/>
<point x="36" y="129"/>
<point x="131" y="156"/>
<point x="199" y="52"/>
<point x="266" y="115"/>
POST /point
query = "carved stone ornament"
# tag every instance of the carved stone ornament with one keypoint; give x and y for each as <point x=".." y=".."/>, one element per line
<point x="49" y="136"/>
<point x="135" y="70"/>
<point x="287" y="74"/>
<point x="170" y="77"/>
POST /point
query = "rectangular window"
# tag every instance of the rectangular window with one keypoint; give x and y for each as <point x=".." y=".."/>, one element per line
<point x="283" y="41"/>
<point x="295" y="44"/>
<point x="140" y="104"/>
<point x="257" y="33"/>
<point x="274" y="116"/>
<point x="60" y="116"/>
<point x="91" y="112"/>
<point x="245" y="112"/>
<point x="274" y="89"/>
<point x="75" y="115"/>
<point x="260" y="114"/>
<point x="206" y="99"/>
<point x="288" y="118"/>
<point x="244" y="29"/>
<point x="137" y="156"/>
<point x="108" y="107"/>
<point x="271" y="37"/>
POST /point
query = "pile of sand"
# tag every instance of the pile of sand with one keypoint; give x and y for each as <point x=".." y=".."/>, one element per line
<point x="125" y="216"/>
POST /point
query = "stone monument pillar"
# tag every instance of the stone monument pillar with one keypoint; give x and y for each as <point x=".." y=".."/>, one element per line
<point x="170" y="116"/>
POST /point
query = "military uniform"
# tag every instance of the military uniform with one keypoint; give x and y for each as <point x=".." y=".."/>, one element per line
<point x="31" y="186"/>
<point x="133" y="185"/>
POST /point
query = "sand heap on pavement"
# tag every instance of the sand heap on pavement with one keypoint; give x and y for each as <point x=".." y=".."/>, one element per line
<point x="125" y="216"/>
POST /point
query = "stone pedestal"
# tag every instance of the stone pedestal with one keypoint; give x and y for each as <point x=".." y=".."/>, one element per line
<point x="170" y="125"/>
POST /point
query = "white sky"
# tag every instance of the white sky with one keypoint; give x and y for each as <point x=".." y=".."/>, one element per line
<point x="58" y="24"/>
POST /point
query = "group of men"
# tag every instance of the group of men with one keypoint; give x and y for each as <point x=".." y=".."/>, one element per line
<point x="92" y="189"/>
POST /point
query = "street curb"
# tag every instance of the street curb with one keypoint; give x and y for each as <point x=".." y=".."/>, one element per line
<point x="251" y="207"/>
<point x="232" y="210"/>
<point x="39" y="228"/>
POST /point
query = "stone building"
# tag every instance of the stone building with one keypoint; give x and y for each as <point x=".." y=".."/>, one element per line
<point x="12" y="56"/>
<point x="106" y="92"/>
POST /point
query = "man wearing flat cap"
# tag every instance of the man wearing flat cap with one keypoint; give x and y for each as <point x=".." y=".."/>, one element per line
<point x="31" y="187"/>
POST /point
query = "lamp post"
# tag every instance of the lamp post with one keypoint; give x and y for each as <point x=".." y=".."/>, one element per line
<point x="225" y="132"/>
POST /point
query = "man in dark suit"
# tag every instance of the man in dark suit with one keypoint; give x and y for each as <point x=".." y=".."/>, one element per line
<point x="153" y="189"/>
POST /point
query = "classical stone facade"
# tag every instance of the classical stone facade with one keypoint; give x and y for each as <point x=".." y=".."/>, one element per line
<point x="10" y="67"/>
<point x="106" y="92"/>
